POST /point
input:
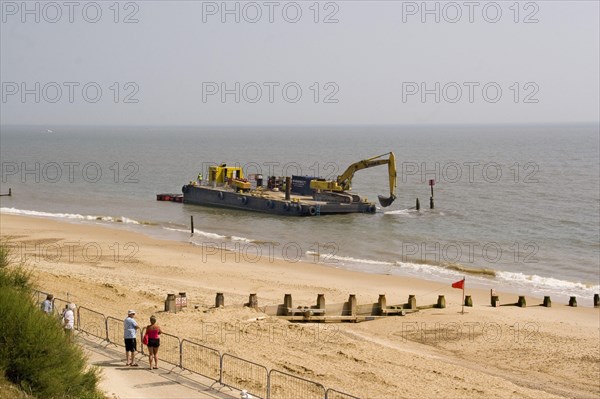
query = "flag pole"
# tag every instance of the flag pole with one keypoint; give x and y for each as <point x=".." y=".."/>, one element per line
<point x="463" y="300"/>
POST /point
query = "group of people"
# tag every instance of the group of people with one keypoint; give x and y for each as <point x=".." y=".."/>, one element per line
<point x="67" y="316"/>
<point x="130" y="327"/>
<point x="151" y="340"/>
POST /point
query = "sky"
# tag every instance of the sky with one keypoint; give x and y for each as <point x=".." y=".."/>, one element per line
<point x="194" y="63"/>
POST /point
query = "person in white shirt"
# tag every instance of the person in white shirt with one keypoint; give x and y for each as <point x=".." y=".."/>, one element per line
<point x="69" y="320"/>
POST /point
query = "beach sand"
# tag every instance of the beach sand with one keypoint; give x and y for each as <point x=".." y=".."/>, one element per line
<point x="487" y="352"/>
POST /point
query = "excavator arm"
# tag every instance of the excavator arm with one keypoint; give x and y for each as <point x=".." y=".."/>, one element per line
<point x="345" y="179"/>
<point x="387" y="201"/>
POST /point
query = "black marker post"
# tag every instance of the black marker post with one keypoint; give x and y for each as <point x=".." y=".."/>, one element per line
<point x="431" y="183"/>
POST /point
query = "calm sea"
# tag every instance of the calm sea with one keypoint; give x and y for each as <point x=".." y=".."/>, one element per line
<point x="516" y="208"/>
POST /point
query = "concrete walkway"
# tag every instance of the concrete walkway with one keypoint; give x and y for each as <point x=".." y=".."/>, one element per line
<point x="124" y="382"/>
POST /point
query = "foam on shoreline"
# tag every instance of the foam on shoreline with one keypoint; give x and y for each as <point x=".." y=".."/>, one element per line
<point x="70" y="216"/>
<point x="441" y="272"/>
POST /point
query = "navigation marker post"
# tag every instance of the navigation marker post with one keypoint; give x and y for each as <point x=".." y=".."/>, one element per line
<point x="431" y="184"/>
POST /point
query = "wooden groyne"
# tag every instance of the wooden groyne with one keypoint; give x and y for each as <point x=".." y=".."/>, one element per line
<point x="350" y="310"/>
<point x="547" y="301"/>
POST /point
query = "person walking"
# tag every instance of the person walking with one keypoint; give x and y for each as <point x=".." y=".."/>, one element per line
<point x="153" y="334"/>
<point x="47" y="305"/>
<point x="68" y="320"/>
<point x="130" y="328"/>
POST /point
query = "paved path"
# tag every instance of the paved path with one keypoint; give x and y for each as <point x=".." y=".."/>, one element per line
<point x="120" y="381"/>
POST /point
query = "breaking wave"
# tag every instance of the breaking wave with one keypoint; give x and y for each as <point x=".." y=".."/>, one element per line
<point x="213" y="236"/>
<point x="548" y="284"/>
<point x="71" y="216"/>
<point x="398" y="212"/>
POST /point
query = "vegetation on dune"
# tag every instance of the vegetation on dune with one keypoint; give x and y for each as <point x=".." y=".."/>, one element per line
<point x="35" y="353"/>
<point x="8" y="390"/>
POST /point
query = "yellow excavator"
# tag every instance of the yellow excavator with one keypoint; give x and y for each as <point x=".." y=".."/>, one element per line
<point x="344" y="181"/>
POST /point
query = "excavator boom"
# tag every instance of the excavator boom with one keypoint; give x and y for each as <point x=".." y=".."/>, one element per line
<point x="387" y="201"/>
<point x="345" y="179"/>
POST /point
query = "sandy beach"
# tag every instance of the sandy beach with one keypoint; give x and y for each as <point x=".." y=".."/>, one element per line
<point x="508" y="351"/>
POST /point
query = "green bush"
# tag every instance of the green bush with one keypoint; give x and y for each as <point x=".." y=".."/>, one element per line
<point x="35" y="353"/>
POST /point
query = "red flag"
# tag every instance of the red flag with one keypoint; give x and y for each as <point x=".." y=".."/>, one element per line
<point x="459" y="284"/>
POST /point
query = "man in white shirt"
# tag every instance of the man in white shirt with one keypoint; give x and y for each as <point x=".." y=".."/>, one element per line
<point x="69" y="320"/>
<point x="130" y="328"/>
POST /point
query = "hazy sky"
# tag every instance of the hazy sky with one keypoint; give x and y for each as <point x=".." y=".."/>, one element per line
<point x="303" y="62"/>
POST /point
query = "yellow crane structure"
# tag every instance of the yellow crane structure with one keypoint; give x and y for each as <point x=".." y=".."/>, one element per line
<point x="344" y="181"/>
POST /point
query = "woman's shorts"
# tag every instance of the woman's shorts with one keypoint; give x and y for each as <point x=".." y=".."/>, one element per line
<point x="130" y="345"/>
<point x="153" y="343"/>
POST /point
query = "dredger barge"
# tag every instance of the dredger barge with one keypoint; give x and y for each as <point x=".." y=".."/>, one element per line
<point x="226" y="187"/>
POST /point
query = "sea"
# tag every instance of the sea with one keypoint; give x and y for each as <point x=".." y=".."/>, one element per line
<point x="516" y="208"/>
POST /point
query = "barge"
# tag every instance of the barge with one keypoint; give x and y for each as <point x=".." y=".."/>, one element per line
<point x="226" y="187"/>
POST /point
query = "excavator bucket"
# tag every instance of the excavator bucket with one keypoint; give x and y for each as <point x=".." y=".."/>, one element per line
<point x="386" y="201"/>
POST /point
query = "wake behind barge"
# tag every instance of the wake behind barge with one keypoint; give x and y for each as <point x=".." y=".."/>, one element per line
<point x="226" y="187"/>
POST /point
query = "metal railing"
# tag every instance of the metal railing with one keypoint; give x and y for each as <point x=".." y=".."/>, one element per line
<point x="334" y="394"/>
<point x="201" y="359"/>
<point x="242" y="374"/>
<point x="92" y="323"/>
<point x="170" y="348"/>
<point x="59" y="306"/>
<point x="115" y="331"/>
<point x="38" y="297"/>
<point x="225" y="369"/>
<point x="287" y="386"/>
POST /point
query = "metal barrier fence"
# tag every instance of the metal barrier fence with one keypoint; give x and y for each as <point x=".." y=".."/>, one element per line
<point x="39" y="297"/>
<point x="201" y="360"/>
<point x="92" y="322"/>
<point x="334" y="394"/>
<point x="170" y="348"/>
<point x="114" y="331"/>
<point x="243" y="374"/>
<point x="287" y="386"/>
<point x="59" y="306"/>
<point x="225" y="369"/>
